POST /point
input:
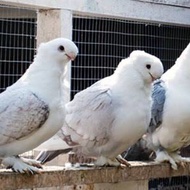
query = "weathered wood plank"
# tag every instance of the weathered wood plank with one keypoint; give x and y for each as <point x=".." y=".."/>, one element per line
<point x="60" y="176"/>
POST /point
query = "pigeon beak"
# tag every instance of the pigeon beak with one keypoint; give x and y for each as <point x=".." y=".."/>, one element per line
<point x="153" y="78"/>
<point x="71" y="56"/>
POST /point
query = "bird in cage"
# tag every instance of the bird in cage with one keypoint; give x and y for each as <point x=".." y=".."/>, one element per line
<point x="31" y="110"/>
<point x="169" y="130"/>
<point x="109" y="116"/>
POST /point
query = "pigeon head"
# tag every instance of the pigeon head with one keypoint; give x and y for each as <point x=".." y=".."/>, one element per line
<point x="60" y="49"/>
<point x="149" y="66"/>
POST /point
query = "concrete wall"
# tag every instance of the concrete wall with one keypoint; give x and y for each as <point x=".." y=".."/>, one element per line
<point x="167" y="11"/>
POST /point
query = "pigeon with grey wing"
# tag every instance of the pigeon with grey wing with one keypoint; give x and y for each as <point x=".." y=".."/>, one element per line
<point x="169" y="129"/>
<point x="109" y="116"/>
<point x="31" y="109"/>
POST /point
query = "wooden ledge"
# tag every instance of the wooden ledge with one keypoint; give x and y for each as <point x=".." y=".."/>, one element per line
<point x="53" y="176"/>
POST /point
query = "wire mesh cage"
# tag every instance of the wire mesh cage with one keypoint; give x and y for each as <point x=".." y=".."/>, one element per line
<point x="17" y="42"/>
<point x="103" y="42"/>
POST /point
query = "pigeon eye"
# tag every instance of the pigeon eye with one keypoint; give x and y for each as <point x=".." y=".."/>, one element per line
<point x="61" y="48"/>
<point x="148" y="66"/>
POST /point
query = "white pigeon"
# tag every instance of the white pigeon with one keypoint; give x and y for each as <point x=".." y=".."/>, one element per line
<point x="31" y="110"/>
<point x="112" y="114"/>
<point x="169" y="129"/>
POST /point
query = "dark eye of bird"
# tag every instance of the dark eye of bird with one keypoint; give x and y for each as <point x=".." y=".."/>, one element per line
<point x="148" y="66"/>
<point x="61" y="48"/>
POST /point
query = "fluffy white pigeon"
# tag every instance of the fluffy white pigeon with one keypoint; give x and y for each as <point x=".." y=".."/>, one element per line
<point x="112" y="114"/>
<point x="30" y="110"/>
<point x="169" y="129"/>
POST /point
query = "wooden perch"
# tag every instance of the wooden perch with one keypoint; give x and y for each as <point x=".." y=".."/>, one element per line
<point x="53" y="176"/>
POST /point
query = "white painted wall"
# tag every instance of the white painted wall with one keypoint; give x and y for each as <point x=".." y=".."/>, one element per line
<point x="181" y="3"/>
<point x="163" y="11"/>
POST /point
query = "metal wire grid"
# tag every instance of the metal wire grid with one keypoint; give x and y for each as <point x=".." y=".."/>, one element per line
<point x="103" y="42"/>
<point x="17" y="43"/>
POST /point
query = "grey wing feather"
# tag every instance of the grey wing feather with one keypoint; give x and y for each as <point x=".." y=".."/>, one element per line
<point x="46" y="156"/>
<point x="158" y="96"/>
<point x="89" y="116"/>
<point x="21" y="113"/>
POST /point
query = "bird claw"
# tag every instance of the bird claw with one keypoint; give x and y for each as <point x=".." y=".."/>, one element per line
<point x="174" y="165"/>
<point x="22" y="165"/>
<point x="32" y="162"/>
<point x="163" y="156"/>
<point x="122" y="161"/>
<point x="123" y="166"/>
<point x="180" y="160"/>
<point x="117" y="162"/>
<point x="28" y="169"/>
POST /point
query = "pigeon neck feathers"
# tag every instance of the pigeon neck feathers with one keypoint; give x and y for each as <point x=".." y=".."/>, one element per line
<point x="183" y="62"/>
<point x="38" y="77"/>
<point x="45" y="74"/>
<point x="180" y="72"/>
